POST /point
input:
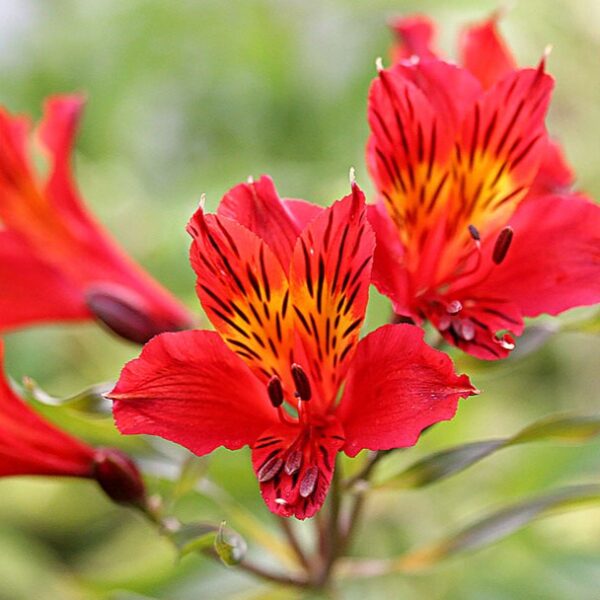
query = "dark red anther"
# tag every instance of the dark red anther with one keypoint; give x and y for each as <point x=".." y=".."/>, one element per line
<point x="293" y="462"/>
<point x="301" y="382"/>
<point x="309" y="481"/>
<point x="269" y="469"/>
<point x="275" y="391"/>
<point x="118" y="476"/>
<point x="474" y="233"/>
<point x="502" y="245"/>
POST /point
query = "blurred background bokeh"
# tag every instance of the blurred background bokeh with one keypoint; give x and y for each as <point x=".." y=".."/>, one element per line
<point x="194" y="96"/>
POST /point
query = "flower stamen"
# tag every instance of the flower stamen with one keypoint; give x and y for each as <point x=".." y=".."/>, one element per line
<point x="302" y="383"/>
<point x="502" y="245"/>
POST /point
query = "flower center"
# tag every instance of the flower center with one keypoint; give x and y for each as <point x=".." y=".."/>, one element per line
<point x="294" y="464"/>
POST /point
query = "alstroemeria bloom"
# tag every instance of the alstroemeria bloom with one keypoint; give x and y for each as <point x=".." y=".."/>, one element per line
<point x="484" y="53"/>
<point x="56" y="261"/>
<point x="462" y="240"/>
<point x="30" y="445"/>
<point x="285" y="284"/>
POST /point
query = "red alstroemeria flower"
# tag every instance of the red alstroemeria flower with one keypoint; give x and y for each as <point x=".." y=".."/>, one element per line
<point x="56" y="262"/>
<point x="461" y="238"/>
<point x="29" y="445"/>
<point x="484" y="53"/>
<point x="285" y="284"/>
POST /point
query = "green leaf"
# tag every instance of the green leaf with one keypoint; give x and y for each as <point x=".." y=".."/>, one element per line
<point x="575" y="428"/>
<point x="229" y="545"/>
<point x="90" y="401"/>
<point x="439" y="466"/>
<point x="194" y="537"/>
<point x="482" y="533"/>
<point x="499" y="525"/>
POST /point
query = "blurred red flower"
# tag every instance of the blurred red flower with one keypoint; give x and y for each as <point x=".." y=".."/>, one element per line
<point x="475" y="225"/>
<point x="56" y="261"/>
<point x="285" y="284"/>
<point x="30" y="445"/>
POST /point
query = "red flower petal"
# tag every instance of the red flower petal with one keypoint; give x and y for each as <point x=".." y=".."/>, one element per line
<point x="415" y="113"/>
<point x="33" y="291"/>
<point x="554" y="260"/>
<point x="329" y="284"/>
<point x="414" y="37"/>
<point x="388" y="275"/>
<point x="189" y="388"/>
<point x="484" y="52"/>
<point x="244" y="292"/>
<point x="397" y="386"/>
<point x="555" y="175"/>
<point x="295" y="465"/>
<point x="479" y="327"/>
<point x="31" y="446"/>
<point x="501" y="147"/>
<point x="304" y="212"/>
<point x="258" y="207"/>
<point x="55" y="230"/>
<point x="57" y="133"/>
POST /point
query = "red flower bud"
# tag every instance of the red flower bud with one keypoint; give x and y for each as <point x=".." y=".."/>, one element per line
<point x="118" y="476"/>
<point x="126" y="318"/>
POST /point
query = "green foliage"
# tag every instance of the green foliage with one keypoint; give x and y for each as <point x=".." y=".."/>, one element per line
<point x="438" y="466"/>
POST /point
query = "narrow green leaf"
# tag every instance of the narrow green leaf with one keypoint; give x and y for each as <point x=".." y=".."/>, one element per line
<point x="476" y="536"/>
<point x="576" y="428"/>
<point x="439" y="466"/>
<point x="229" y="545"/>
<point x="499" y="525"/>
<point x="90" y="401"/>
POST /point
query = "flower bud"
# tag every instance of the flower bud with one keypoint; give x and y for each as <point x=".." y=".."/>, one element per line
<point x="118" y="476"/>
<point x="125" y="317"/>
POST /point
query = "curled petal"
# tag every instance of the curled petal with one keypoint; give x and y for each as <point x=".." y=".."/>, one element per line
<point x="189" y="388"/>
<point x="397" y="386"/>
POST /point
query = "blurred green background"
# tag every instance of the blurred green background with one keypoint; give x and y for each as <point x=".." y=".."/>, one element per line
<point x="193" y="96"/>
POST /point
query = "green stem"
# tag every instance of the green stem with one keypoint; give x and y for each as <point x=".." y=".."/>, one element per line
<point x="167" y="525"/>
<point x="330" y="535"/>
<point x="294" y="543"/>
